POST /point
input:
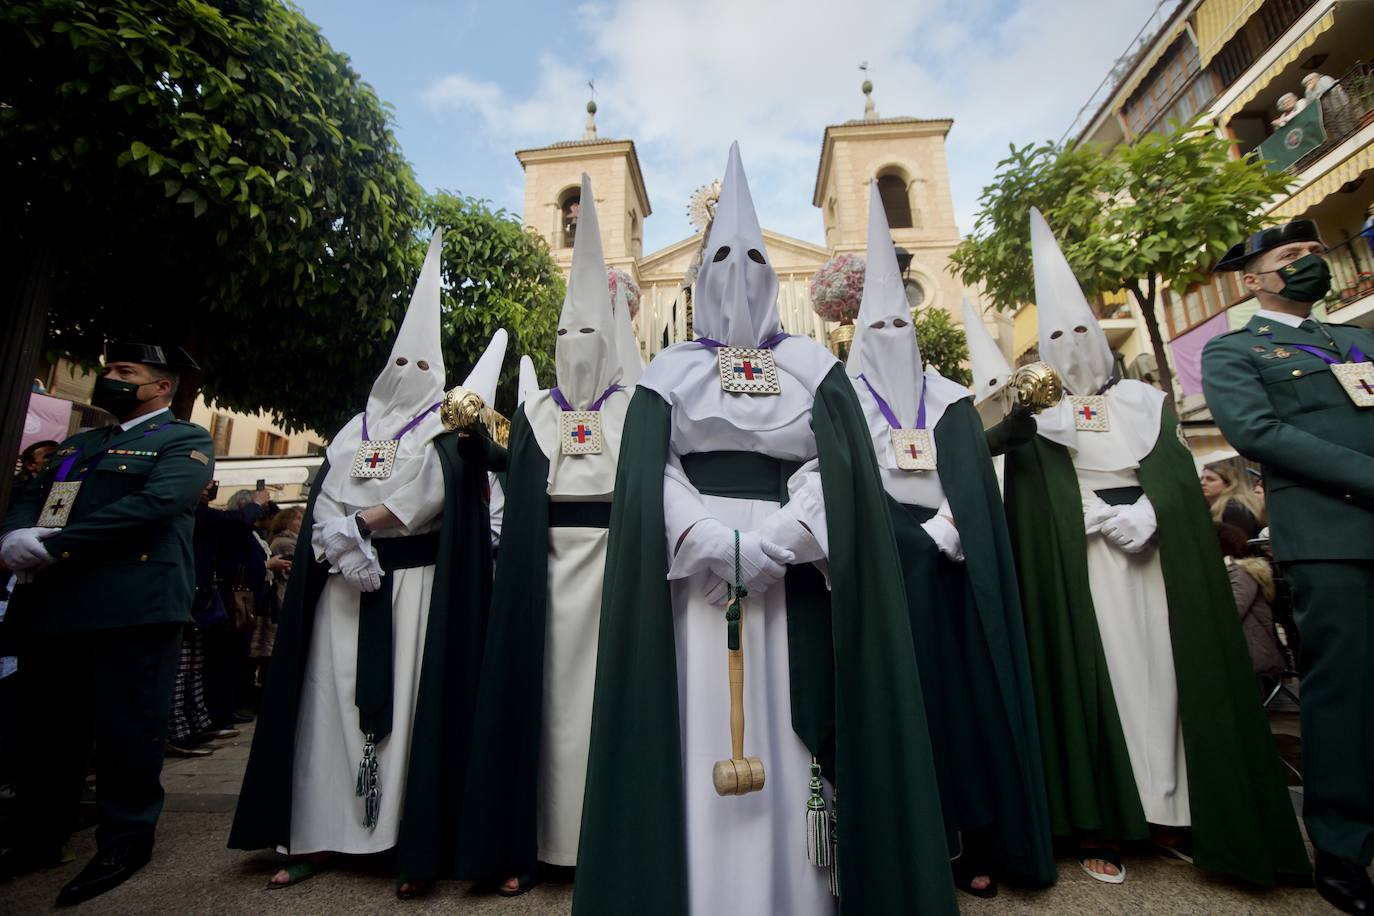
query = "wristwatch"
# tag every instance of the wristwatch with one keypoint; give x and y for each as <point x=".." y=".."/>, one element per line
<point x="363" y="529"/>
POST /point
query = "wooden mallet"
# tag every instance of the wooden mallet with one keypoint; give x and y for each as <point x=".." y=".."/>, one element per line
<point x="740" y="774"/>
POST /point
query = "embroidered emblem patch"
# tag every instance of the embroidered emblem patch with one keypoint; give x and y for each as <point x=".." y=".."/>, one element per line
<point x="57" y="508"/>
<point x="199" y="456"/>
<point x="747" y="370"/>
<point x="913" y="450"/>
<point x="580" y="432"/>
<point x="374" y="459"/>
<point x="1090" y="412"/>
<point x="1358" y="381"/>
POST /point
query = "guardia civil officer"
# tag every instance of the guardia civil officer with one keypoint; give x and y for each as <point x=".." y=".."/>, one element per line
<point x="1298" y="395"/>
<point x="102" y="545"/>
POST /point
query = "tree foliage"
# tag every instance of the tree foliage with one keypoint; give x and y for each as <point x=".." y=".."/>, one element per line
<point x="214" y="176"/>
<point x="496" y="274"/>
<point x="943" y="345"/>
<point x="1160" y="210"/>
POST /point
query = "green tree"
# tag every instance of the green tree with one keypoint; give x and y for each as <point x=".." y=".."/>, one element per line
<point x="943" y="345"/>
<point x="496" y="274"/>
<point x="214" y="176"/>
<point x="1154" y="212"/>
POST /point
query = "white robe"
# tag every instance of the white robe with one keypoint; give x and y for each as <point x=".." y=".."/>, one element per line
<point x="745" y="854"/>
<point x="1130" y="602"/>
<point x="577" y="558"/>
<point x="326" y="815"/>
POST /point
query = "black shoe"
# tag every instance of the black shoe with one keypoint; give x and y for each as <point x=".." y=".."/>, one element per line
<point x="1344" y="884"/>
<point x="109" y="869"/>
<point x="243" y="718"/>
<point x="22" y="860"/>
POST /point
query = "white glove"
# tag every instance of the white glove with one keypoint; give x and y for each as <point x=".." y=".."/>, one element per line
<point x="338" y="536"/>
<point x="710" y="546"/>
<point x="1132" y="527"/>
<point x="360" y="570"/>
<point x="23" y="550"/>
<point x="1095" y="512"/>
<point x="946" y="537"/>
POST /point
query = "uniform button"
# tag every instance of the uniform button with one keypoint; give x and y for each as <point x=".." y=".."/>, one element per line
<point x="143" y="559"/>
<point x="1296" y="373"/>
<point x="125" y="467"/>
<point x="66" y="555"/>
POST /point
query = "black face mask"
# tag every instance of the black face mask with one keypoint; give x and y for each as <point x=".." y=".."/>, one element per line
<point x="1307" y="279"/>
<point x="116" y="397"/>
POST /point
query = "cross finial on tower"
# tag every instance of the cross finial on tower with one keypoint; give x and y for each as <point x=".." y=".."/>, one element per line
<point x="870" y="111"/>
<point x="589" y="130"/>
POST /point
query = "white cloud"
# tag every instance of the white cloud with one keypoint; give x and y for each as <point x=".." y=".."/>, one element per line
<point x="685" y="79"/>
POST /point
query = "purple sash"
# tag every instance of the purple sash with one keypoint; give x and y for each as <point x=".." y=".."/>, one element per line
<point x="887" y="411"/>
<point x="563" y="404"/>
<point x="409" y="426"/>
<point x="770" y="343"/>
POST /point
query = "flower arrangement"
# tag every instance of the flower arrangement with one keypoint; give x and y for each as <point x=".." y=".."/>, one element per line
<point x="614" y="278"/>
<point x="837" y="288"/>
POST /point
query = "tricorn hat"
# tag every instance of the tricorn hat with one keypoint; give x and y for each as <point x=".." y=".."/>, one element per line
<point x="1299" y="230"/>
<point x="174" y="359"/>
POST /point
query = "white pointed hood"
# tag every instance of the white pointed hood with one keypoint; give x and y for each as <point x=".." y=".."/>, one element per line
<point x="1071" y="340"/>
<point x="885" y="352"/>
<point x="737" y="289"/>
<point x="528" y="383"/>
<point x="411" y="382"/>
<point x="991" y="372"/>
<point x="585" y="355"/>
<point x="486" y="372"/>
<point x="413" y="377"/>
<point x="627" y="347"/>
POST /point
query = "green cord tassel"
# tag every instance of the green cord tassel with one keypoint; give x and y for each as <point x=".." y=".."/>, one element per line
<point x="368" y="787"/>
<point x="732" y="610"/>
<point x="835" y="845"/>
<point x="817" y="822"/>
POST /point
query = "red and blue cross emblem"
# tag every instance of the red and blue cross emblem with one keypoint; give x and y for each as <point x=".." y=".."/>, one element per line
<point x="375" y="460"/>
<point x="747" y="369"/>
<point x="1086" y="412"/>
<point x="580" y="433"/>
<point x="1366" y="385"/>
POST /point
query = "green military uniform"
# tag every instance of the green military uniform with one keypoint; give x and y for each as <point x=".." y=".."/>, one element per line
<point x="97" y="632"/>
<point x="1283" y="406"/>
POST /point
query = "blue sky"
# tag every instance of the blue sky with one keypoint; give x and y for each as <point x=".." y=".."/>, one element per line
<point x="471" y="82"/>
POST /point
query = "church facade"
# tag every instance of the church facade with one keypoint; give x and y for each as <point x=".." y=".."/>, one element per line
<point x="906" y="155"/>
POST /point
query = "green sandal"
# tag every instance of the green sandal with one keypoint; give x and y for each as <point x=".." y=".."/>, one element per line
<point x="296" y="872"/>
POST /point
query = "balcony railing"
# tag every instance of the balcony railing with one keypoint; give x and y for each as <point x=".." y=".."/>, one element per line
<point x="1324" y="123"/>
<point x="1352" y="272"/>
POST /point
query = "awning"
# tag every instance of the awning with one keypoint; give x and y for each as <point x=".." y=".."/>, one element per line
<point x="1217" y="22"/>
<point x="1148" y="63"/>
<point x="1351" y="168"/>
<point x="1294" y="52"/>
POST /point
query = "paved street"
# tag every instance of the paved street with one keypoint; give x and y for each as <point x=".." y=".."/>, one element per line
<point x="193" y="872"/>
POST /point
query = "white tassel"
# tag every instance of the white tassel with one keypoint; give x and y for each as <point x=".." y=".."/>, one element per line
<point x="817" y="823"/>
<point x="367" y="785"/>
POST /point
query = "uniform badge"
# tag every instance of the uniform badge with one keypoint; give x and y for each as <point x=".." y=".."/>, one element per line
<point x="1281" y="353"/>
<point x="1089" y="412"/>
<point x="913" y="450"/>
<point x="374" y="459"/>
<point x="58" y="506"/>
<point x="580" y="431"/>
<point x="1257" y="348"/>
<point x="746" y="370"/>
<point x="1358" y="381"/>
<point x="1263" y="329"/>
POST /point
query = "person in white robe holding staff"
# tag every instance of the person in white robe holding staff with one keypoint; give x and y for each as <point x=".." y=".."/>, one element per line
<point x="746" y="474"/>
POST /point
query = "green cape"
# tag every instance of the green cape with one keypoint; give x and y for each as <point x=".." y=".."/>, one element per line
<point x="632" y="856"/>
<point x="498" y="836"/>
<point x="971" y="645"/>
<point x="444" y="706"/>
<point x="1243" y="820"/>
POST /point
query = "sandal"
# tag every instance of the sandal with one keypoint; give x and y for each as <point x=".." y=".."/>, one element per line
<point x="419" y="887"/>
<point x="965" y="870"/>
<point x="296" y="872"/>
<point x="523" y="884"/>
<point x="1105" y="854"/>
<point x="1183" y="849"/>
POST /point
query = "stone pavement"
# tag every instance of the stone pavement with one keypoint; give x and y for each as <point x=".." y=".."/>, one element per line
<point x="193" y="872"/>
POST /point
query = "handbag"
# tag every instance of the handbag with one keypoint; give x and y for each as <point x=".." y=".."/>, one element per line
<point x="207" y="607"/>
<point x="244" y="605"/>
